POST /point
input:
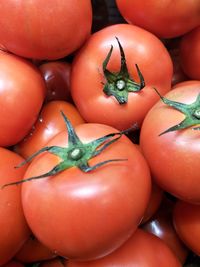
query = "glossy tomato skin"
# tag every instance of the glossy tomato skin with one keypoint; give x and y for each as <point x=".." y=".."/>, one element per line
<point x="14" y="229"/>
<point x="165" y="18"/>
<point x="33" y="251"/>
<point x="140" y="47"/>
<point x="174" y="156"/>
<point x="44" y="30"/>
<point x="141" y="250"/>
<point x="186" y="219"/>
<point x="189" y="84"/>
<point x="57" y="78"/>
<point x="161" y="225"/>
<point x="22" y="92"/>
<point x="48" y="124"/>
<point x="190" y="53"/>
<point x="96" y="211"/>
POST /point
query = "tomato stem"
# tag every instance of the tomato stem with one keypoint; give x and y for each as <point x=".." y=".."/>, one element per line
<point x="191" y="112"/>
<point x="120" y="84"/>
<point x="77" y="154"/>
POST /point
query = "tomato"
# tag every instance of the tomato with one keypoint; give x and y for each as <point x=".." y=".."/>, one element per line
<point x="127" y="108"/>
<point x="161" y="225"/>
<point x="22" y="92"/>
<point x="190" y="53"/>
<point x="57" y="77"/>
<point x="44" y="30"/>
<point x="13" y="263"/>
<point x="154" y="202"/>
<point x="141" y="250"/>
<point x="189" y="84"/>
<point x="48" y="124"/>
<point x="186" y="218"/>
<point x="33" y="251"/>
<point x="174" y="156"/>
<point x="164" y="18"/>
<point x="86" y="215"/>
<point x="14" y="229"/>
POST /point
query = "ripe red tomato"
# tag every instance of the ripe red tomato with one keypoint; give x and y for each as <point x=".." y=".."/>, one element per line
<point x="190" y="53"/>
<point x="174" y="157"/>
<point x="161" y="225"/>
<point x="187" y="224"/>
<point x="14" y="229"/>
<point x="48" y="124"/>
<point x="34" y="251"/>
<point x="154" y="202"/>
<point x="43" y="29"/>
<point x="140" y="47"/>
<point x="164" y="18"/>
<point x="97" y="211"/>
<point x="22" y="92"/>
<point x="57" y="77"/>
<point x="141" y="250"/>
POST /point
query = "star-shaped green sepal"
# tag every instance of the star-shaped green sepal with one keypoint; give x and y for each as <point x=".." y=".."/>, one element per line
<point x="119" y="84"/>
<point x="77" y="154"/>
<point x="191" y="112"/>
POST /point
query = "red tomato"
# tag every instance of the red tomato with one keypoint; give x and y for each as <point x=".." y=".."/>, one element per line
<point x="43" y="29"/>
<point x="97" y="211"/>
<point x="57" y="77"/>
<point x="190" y="84"/>
<point x="161" y="225"/>
<point x="190" y="53"/>
<point x="164" y="18"/>
<point x="49" y="123"/>
<point x="154" y="202"/>
<point x="140" y="47"/>
<point x="141" y="250"/>
<point x="13" y="263"/>
<point x="22" y="91"/>
<point x="187" y="223"/>
<point x="14" y="229"/>
<point x="174" y="157"/>
<point x="33" y="251"/>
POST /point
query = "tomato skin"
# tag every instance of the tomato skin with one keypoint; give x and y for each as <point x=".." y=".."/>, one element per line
<point x="140" y="48"/>
<point x="189" y="84"/>
<point x="169" y="19"/>
<point x="22" y="92"/>
<point x="14" y="229"/>
<point x="33" y="251"/>
<point x="138" y="251"/>
<point x="161" y="225"/>
<point x="173" y="157"/>
<point x="186" y="219"/>
<point x="154" y="202"/>
<point x="190" y="54"/>
<point x="57" y="78"/>
<point x="36" y="27"/>
<point x="76" y="204"/>
<point x="48" y="124"/>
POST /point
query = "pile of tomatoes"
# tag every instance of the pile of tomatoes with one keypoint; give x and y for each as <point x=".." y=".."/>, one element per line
<point x="100" y="133"/>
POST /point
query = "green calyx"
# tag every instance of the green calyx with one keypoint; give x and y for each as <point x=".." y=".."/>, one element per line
<point x="77" y="154"/>
<point x="119" y="84"/>
<point x="191" y="112"/>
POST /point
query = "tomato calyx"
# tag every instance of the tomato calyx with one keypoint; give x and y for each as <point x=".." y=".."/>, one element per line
<point x="191" y="112"/>
<point x="77" y="154"/>
<point x="119" y="84"/>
